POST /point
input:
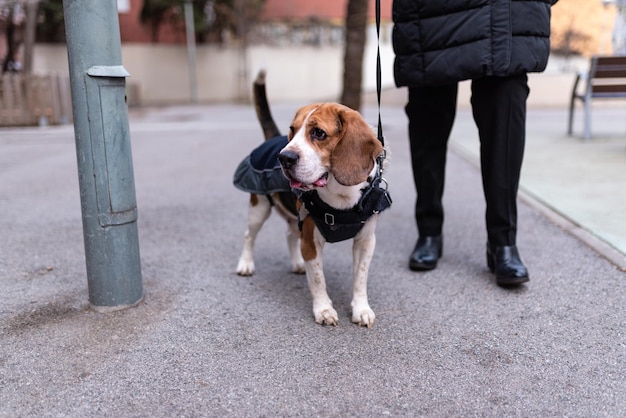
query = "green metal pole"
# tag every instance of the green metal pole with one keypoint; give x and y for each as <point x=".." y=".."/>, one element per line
<point x="105" y="168"/>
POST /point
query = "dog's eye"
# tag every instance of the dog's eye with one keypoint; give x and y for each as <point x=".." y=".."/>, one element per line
<point x="292" y="132"/>
<point x="317" y="133"/>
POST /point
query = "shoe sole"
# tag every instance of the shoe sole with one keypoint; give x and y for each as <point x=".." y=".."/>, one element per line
<point x="421" y="267"/>
<point x="504" y="281"/>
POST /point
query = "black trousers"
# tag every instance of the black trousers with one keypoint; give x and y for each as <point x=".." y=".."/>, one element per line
<point x="499" y="110"/>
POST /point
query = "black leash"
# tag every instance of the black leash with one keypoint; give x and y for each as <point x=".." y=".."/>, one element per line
<point x="381" y="138"/>
<point x="381" y="158"/>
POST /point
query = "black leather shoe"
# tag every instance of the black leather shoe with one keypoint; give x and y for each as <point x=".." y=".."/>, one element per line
<point x="426" y="253"/>
<point x="505" y="262"/>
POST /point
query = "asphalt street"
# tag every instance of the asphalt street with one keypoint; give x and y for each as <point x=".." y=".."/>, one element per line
<point x="206" y="342"/>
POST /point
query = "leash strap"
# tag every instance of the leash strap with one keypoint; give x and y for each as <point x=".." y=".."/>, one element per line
<point x="381" y="138"/>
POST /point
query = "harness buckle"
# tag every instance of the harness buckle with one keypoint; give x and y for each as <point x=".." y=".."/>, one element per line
<point x="329" y="218"/>
<point x="383" y="182"/>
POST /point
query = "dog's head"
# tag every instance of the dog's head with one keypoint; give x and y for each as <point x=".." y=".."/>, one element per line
<point x="328" y="140"/>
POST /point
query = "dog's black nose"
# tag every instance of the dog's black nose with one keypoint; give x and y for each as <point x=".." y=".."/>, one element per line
<point x="288" y="159"/>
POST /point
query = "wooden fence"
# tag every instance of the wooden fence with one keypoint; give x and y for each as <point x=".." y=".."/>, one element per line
<point x="31" y="100"/>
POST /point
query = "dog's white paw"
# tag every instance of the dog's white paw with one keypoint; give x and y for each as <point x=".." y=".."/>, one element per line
<point x="363" y="316"/>
<point x="245" y="267"/>
<point x="326" y="316"/>
<point x="298" y="268"/>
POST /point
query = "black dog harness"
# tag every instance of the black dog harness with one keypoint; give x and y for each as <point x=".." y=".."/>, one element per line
<point x="338" y="225"/>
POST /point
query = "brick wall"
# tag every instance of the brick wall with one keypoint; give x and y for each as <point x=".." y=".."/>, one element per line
<point x="588" y="19"/>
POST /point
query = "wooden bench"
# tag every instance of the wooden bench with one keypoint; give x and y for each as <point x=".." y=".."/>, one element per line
<point x="606" y="79"/>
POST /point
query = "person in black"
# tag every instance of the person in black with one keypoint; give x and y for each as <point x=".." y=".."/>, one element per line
<point x="494" y="44"/>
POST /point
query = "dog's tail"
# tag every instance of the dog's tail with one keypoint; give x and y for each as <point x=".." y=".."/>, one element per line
<point x="263" y="113"/>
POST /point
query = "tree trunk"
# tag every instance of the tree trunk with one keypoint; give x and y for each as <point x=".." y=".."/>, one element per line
<point x="9" y="59"/>
<point x="29" y="36"/>
<point x="356" y="23"/>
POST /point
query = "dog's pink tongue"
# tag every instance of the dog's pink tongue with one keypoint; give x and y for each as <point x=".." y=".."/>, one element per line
<point x="294" y="184"/>
<point x="321" y="182"/>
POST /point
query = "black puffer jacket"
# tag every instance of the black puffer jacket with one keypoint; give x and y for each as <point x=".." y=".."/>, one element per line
<point x="444" y="41"/>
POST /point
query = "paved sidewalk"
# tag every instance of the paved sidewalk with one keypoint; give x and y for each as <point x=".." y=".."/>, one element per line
<point x="206" y="342"/>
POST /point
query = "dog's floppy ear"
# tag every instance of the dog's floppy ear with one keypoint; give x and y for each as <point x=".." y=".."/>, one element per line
<point x="353" y="158"/>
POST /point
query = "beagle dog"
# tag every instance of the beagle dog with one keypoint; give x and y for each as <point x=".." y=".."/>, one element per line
<point x="331" y="166"/>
